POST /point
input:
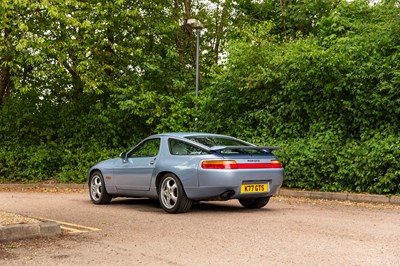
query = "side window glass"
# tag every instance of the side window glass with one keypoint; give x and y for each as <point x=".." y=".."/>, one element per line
<point x="177" y="147"/>
<point x="148" y="148"/>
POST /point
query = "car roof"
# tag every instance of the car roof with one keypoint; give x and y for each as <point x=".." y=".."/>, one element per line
<point x="187" y="135"/>
<point x="190" y="134"/>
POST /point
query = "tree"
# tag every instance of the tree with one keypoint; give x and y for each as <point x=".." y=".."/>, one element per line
<point x="13" y="38"/>
<point x="291" y="18"/>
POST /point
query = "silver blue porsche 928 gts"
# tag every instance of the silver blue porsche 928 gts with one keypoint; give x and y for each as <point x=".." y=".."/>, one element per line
<point x="182" y="168"/>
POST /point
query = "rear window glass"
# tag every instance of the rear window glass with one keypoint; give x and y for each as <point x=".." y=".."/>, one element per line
<point x="218" y="141"/>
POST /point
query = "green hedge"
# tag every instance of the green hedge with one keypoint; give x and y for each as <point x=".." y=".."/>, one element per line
<point x="324" y="163"/>
<point x="40" y="163"/>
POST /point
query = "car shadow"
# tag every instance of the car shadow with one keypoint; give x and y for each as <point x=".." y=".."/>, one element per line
<point x="153" y="205"/>
<point x="137" y="202"/>
<point x="224" y="206"/>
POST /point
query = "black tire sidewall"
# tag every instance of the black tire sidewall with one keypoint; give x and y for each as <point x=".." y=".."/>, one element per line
<point x="254" y="203"/>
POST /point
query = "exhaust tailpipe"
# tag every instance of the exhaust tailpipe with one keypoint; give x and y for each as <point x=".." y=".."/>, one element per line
<point x="227" y="194"/>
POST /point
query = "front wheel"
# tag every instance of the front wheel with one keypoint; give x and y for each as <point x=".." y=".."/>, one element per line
<point x="172" y="196"/>
<point x="254" y="203"/>
<point x="97" y="189"/>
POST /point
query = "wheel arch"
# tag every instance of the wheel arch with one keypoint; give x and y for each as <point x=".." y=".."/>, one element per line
<point x="161" y="174"/>
<point x="91" y="173"/>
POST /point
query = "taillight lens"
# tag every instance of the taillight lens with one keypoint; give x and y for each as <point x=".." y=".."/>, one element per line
<point x="232" y="164"/>
<point x="220" y="164"/>
<point x="274" y="164"/>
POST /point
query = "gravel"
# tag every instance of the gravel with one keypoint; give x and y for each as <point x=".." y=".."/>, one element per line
<point x="8" y="218"/>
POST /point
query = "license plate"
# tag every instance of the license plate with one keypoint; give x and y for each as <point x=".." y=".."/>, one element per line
<point x="254" y="188"/>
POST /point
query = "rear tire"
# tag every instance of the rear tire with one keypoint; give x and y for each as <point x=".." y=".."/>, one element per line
<point x="254" y="203"/>
<point x="171" y="195"/>
<point x="97" y="189"/>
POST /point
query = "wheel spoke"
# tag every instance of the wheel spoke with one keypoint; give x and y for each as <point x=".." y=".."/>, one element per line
<point x="174" y="198"/>
<point x="170" y="184"/>
<point x="174" y="187"/>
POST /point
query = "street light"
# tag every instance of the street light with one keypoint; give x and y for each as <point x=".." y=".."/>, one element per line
<point x="196" y="25"/>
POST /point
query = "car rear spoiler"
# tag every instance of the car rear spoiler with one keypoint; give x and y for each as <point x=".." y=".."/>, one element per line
<point x="220" y="148"/>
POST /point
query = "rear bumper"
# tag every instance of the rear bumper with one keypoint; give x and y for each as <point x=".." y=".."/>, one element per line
<point x="226" y="184"/>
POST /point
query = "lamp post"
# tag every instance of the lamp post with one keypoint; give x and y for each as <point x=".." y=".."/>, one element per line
<point x="196" y="25"/>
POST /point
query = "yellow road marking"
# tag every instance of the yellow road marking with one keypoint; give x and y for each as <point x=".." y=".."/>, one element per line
<point x="74" y="228"/>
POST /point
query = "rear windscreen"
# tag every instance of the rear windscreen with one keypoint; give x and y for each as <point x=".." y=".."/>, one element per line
<point x="216" y="141"/>
<point x="219" y="141"/>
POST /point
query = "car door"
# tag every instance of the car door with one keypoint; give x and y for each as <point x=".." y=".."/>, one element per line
<point x="136" y="170"/>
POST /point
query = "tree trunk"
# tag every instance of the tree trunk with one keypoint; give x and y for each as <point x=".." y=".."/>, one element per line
<point x="5" y="77"/>
<point x="220" y="29"/>
<point x="183" y="40"/>
<point x="178" y="39"/>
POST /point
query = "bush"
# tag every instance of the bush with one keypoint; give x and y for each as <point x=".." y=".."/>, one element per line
<point x="310" y="163"/>
<point x="28" y="164"/>
<point x="371" y="165"/>
<point x="39" y="163"/>
<point x="77" y="163"/>
<point x="325" y="163"/>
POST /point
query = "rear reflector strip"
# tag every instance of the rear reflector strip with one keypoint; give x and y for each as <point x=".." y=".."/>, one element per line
<point x="258" y="165"/>
<point x="231" y="164"/>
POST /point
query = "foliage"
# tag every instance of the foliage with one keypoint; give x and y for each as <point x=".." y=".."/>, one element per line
<point x="291" y="18"/>
<point x="321" y="97"/>
<point x="326" y="163"/>
<point x="81" y="81"/>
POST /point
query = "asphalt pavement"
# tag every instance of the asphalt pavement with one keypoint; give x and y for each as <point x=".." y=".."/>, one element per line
<point x="20" y="229"/>
<point x="288" y="231"/>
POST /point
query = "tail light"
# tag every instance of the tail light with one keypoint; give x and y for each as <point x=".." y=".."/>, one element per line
<point x="274" y="164"/>
<point x="232" y="164"/>
<point x="220" y="164"/>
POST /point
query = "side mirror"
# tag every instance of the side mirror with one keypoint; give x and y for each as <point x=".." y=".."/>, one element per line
<point x="122" y="155"/>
